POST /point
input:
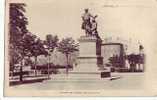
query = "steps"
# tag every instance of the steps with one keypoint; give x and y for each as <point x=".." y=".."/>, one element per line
<point x="77" y="77"/>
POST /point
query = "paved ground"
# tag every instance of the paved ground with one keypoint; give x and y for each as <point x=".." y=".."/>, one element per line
<point x="61" y="82"/>
<point x="27" y="80"/>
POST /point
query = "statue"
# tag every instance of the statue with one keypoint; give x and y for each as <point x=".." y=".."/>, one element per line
<point x="89" y="24"/>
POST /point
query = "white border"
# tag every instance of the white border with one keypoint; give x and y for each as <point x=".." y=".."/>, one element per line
<point x="2" y="8"/>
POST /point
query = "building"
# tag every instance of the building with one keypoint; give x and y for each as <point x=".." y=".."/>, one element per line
<point x="113" y="50"/>
<point x="121" y="53"/>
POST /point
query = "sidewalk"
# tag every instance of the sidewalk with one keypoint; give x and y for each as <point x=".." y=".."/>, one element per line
<point x="27" y="80"/>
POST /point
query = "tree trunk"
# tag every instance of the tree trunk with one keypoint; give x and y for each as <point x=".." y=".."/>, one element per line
<point x="48" y="67"/>
<point x="21" y="71"/>
<point x="12" y="72"/>
<point x="35" y="65"/>
<point x="67" y="68"/>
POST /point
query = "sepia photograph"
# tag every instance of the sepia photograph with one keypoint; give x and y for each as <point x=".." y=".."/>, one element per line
<point x="80" y="48"/>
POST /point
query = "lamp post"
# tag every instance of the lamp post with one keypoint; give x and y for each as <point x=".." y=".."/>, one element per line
<point x="48" y="63"/>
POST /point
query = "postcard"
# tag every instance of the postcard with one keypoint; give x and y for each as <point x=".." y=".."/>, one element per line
<point x="80" y="48"/>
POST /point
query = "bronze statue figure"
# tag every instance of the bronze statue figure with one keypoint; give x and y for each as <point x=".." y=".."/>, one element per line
<point x="89" y="24"/>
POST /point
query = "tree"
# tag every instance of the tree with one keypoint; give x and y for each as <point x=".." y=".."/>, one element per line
<point x="114" y="61"/>
<point x="134" y="59"/>
<point x="67" y="46"/>
<point x="51" y="43"/>
<point x="37" y="48"/>
<point x="14" y="58"/>
<point x="17" y="22"/>
<point x="17" y="31"/>
<point x="25" y="49"/>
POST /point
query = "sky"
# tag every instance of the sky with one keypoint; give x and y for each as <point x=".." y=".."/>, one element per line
<point x="127" y="19"/>
<point x="123" y="18"/>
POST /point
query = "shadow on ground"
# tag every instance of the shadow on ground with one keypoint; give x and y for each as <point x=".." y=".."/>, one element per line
<point x="13" y="83"/>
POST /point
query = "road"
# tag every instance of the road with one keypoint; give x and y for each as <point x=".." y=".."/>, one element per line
<point x="58" y="82"/>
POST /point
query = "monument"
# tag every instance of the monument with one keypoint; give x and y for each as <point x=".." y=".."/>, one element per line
<point x="90" y="62"/>
<point x="87" y="60"/>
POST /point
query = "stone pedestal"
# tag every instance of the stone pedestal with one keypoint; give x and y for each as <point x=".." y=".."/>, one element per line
<point x="87" y="60"/>
<point x="87" y="54"/>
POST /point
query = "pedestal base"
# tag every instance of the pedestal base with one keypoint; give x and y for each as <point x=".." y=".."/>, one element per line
<point x="86" y="70"/>
<point x="105" y="74"/>
<point x="88" y="59"/>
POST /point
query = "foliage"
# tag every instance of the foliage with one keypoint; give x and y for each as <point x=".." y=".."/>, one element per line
<point x="51" y="42"/>
<point x="135" y="58"/>
<point x="14" y="57"/>
<point x="37" y="48"/>
<point x="17" y="25"/>
<point x="67" y="46"/>
<point x="17" y="31"/>
<point x="17" y="22"/>
<point x="114" y="61"/>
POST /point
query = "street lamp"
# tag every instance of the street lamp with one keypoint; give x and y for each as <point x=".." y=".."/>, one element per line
<point x="48" y="66"/>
